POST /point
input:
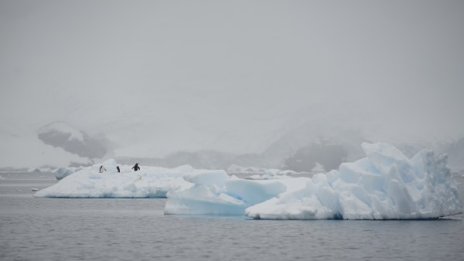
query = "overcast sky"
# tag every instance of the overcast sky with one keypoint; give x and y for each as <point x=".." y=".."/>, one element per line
<point x="161" y="76"/>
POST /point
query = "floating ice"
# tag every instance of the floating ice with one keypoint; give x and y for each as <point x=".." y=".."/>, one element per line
<point x="384" y="185"/>
<point x="148" y="182"/>
<point x="227" y="196"/>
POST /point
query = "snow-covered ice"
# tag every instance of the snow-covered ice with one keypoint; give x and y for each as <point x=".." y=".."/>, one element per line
<point x="228" y="196"/>
<point x="383" y="185"/>
<point x="148" y="182"/>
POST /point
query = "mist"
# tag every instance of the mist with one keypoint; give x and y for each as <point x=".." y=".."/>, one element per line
<point x="158" y="77"/>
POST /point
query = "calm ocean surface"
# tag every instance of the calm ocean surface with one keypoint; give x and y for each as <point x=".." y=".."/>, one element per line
<point x="136" y="229"/>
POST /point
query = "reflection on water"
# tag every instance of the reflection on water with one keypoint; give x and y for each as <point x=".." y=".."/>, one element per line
<point x="136" y="229"/>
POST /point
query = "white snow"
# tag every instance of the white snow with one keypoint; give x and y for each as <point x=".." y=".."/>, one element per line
<point x="148" y="182"/>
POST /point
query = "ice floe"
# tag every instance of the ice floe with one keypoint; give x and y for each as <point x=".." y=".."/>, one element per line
<point x="384" y="185"/>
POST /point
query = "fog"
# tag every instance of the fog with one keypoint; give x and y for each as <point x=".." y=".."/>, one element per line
<point x="157" y="77"/>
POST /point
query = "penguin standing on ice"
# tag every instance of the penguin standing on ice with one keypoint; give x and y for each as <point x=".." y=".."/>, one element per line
<point x="136" y="167"/>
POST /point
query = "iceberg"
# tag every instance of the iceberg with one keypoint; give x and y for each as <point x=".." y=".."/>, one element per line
<point x="383" y="185"/>
<point x="149" y="182"/>
<point x="229" y="196"/>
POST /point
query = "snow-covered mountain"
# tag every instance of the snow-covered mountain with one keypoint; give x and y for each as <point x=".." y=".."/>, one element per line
<point x="305" y="148"/>
<point x="25" y="150"/>
<point x="70" y="139"/>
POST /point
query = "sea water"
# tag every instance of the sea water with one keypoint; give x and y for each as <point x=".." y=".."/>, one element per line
<point x="137" y="229"/>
